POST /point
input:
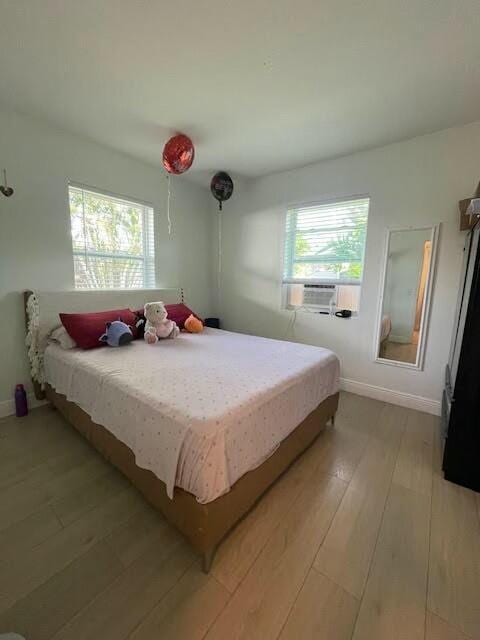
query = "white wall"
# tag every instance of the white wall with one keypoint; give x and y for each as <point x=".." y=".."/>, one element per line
<point x="35" y="241"/>
<point x="417" y="182"/>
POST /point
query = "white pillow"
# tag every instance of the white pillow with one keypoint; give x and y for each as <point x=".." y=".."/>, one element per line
<point x="60" y="336"/>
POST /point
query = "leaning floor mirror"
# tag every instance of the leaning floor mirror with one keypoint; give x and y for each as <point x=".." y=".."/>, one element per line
<point x="406" y="287"/>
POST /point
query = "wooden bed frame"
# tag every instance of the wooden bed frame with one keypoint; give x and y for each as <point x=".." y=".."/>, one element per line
<point x="204" y="525"/>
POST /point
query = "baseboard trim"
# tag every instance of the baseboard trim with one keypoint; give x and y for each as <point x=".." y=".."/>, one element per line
<point x="393" y="397"/>
<point x="399" y="339"/>
<point x="7" y="407"/>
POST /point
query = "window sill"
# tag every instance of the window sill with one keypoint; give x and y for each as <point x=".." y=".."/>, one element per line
<point x="322" y="314"/>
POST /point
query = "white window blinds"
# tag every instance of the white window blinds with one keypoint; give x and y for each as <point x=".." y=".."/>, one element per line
<point x="112" y="240"/>
<point x="326" y="242"/>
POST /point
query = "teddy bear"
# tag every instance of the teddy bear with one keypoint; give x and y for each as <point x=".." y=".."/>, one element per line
<point x="157" y="324"/>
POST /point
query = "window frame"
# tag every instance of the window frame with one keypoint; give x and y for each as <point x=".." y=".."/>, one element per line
<point x="148" y="228"/>
<point x="320" y="203"/>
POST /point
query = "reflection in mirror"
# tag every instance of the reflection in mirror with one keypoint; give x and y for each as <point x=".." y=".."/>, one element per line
<point x="405" y="292"/>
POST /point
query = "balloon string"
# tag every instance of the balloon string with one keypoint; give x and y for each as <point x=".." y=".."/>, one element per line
<point x="219" y="275"/>
<point x="168" y="205"/>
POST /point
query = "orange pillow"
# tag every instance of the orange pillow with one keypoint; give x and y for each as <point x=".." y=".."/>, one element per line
<point x="193" y="325"/>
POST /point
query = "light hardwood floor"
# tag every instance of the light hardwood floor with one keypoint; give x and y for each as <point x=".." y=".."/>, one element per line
<point x="403" y="352"/>
<point x="360" y="539"/>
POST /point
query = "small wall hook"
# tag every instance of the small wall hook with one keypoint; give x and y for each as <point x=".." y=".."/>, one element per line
<point x="4" y="188"/>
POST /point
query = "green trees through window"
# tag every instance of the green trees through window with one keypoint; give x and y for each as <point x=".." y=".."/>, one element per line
<point x="112" y="241"/>
<point x="326" y="241"/>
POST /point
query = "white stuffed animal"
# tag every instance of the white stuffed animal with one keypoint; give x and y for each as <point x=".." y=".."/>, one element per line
<point x="157" y="323"/>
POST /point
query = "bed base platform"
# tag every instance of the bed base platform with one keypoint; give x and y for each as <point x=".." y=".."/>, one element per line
<point x="204" y="525"/>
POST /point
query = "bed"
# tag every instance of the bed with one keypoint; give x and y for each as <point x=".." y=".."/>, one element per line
<point x="202" y="425"/>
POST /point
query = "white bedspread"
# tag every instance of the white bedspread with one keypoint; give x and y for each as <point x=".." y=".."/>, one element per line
<point x="201" y="410"/>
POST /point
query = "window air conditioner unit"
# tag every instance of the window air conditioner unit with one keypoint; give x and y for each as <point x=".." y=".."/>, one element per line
<point x="319" y="296"/>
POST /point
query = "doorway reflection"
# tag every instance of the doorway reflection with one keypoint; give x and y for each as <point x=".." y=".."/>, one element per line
<point x="408" y="267"/>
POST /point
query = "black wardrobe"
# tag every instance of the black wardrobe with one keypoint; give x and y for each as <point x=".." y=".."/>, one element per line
<point x="461" y="396"/>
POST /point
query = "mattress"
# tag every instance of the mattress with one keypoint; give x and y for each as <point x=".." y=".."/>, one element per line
<point x="199" y="411"/>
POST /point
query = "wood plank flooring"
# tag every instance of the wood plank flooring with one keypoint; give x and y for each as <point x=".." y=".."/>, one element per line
<point x="362" y="538"/>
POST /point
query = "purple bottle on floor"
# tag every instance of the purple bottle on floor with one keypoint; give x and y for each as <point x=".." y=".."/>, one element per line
<point x="21" y="407"/>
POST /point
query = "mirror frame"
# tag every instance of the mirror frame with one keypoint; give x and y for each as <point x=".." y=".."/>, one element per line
<point x="422" y="338"/>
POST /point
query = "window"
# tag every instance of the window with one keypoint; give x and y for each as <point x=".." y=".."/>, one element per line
<point x="112" y="241"/>
<point x="325" y="244"/>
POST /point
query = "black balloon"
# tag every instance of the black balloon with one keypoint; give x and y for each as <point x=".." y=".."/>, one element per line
<point x="221" y="187"/>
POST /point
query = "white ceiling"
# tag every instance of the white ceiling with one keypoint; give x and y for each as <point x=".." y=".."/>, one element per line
<point x="259" y="86"/>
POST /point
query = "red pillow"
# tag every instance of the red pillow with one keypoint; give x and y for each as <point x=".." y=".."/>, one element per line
<point x="176" y="312"/>
<point x="86" y="328"/>
<point x="179" y="313"/>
